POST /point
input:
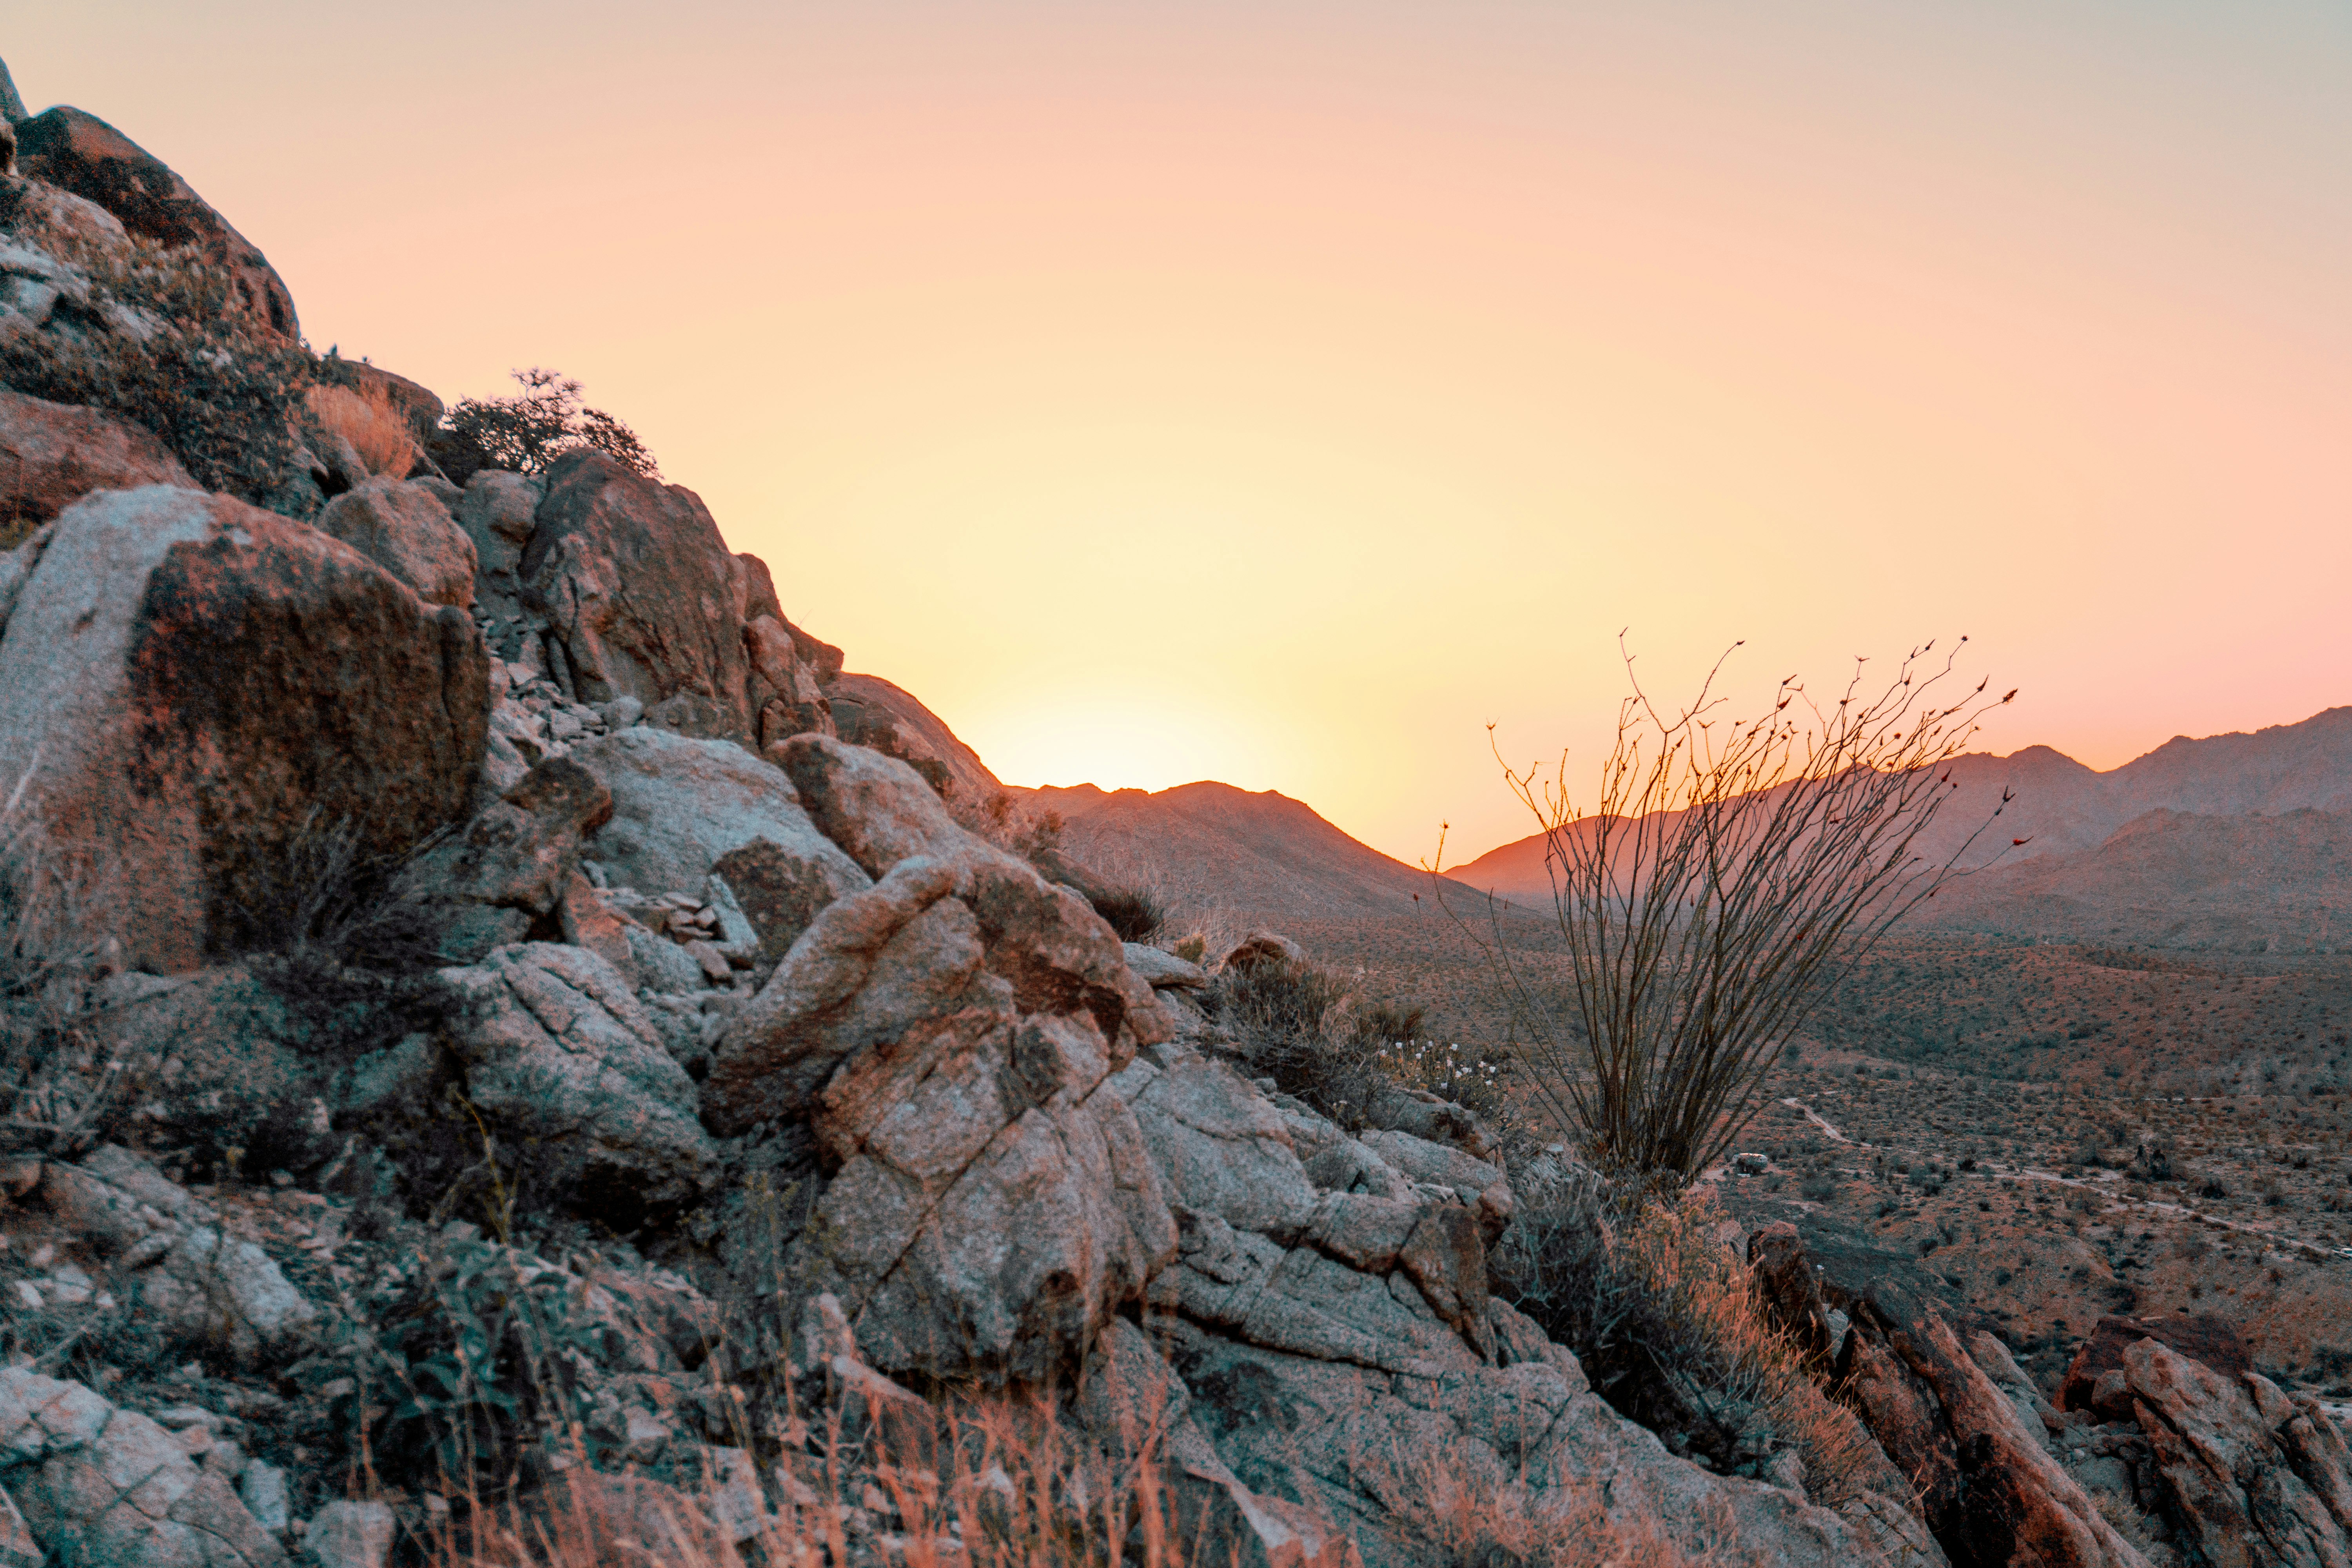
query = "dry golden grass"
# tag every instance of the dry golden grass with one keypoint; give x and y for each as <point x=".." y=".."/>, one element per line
<point x="1674" y="1248"/>
<point x="1000" y="1483"/>
<point x="377" y="430"/>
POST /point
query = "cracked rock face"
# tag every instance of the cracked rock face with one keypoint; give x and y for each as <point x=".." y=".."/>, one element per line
<point x="560" y="1055"/>
<point x="2255" y="1478"/>
<point x="99" y="1485"/>
<point x="1329" y="1319"/>
<point x="204" y="1291"/>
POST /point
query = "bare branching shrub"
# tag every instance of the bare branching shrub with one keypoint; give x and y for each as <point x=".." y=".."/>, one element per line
<point x="160" y="340"/>
<point x="529" y="431"/>
<point x="1729" y="874"/>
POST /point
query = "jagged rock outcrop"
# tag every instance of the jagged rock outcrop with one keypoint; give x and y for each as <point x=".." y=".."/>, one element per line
<point x="1987" y="1485"/>
<point x="1327" y="1312"/>
<point x="948" y="1033"/>
<point x="79" y="152"/>
<point x="2255" y="1479"/>
<point x="224" y="704"/>
<point x="2095" y="1379"/>
<point x="52" y="455"/>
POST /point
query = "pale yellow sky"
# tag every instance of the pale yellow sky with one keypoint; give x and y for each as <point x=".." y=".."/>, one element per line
<point x="1282" y="392"/>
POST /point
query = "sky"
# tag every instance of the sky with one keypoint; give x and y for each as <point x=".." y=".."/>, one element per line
<point x="1284" y="393"/>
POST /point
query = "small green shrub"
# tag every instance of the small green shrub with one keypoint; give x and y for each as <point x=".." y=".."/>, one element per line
<point x="526" y="432"/>
<point x="483" y="1355"/>
<point x="164" y="342"/>
<point x="1135" y="913"/>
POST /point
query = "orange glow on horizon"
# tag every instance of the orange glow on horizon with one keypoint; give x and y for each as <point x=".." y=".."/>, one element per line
<point x="1280" y="395"/>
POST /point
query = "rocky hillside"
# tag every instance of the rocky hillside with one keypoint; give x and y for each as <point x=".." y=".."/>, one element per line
<point x="514" y="1056"/>
<point x="2178" y="879"/>
<point x="1211" y="847"/>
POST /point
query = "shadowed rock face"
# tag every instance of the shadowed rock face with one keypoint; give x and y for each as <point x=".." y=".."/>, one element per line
<point x="637" y="582"/>
<point x="214" y="694"/>
<point x="84" y="154"/>
<point x="51" y="456"/>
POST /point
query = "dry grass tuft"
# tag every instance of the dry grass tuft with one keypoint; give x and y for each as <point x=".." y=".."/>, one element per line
<point x="367" y="418"/>
<point x="1668" y="1325"/>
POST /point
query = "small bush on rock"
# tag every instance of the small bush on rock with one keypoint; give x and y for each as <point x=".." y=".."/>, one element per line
<point x="1135" y="913"/>
<point x="1308" y="1029"/>
<point x="526" y="432"/>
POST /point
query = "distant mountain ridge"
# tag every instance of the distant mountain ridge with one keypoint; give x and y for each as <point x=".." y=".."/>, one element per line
<point x="2062" y="808"/>
<point x="2251" y="882"/>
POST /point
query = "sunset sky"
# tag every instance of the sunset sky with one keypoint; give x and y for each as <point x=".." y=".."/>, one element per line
<point x="1281" y="393"/>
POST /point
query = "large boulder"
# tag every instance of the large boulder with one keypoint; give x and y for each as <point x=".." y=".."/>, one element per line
<point x="680" y="805"/>
<point x="51" y="456"/>
<point x="405" y="530"/>
<point x="84" y="154"/>
<point x="640" y="591"/>
<point x="564" y="1061"/>
<point x="99" y="1485"/>
<point x="870" y="712"/>
<point x="226" y="708"/>
<point x="1986" y="1483"/>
